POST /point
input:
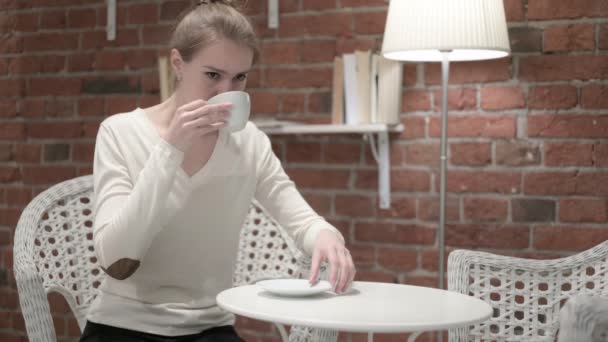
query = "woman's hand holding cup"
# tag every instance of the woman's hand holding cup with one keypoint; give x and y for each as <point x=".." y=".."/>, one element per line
<point x="194" y="120"/>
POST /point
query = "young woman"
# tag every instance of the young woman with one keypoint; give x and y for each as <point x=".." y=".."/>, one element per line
<point x="173" y="189"/>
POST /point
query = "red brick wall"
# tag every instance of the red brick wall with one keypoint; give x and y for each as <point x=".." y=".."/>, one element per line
<point x="528" y="134"/>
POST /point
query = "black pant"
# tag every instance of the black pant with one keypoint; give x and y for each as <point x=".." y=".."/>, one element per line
<point x="94" y="332"/>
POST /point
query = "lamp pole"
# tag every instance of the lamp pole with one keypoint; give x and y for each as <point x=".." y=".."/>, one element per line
<point x="445" y="75"/>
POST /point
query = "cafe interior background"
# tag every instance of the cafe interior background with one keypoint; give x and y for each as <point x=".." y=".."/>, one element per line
<point x="528" y="133"/>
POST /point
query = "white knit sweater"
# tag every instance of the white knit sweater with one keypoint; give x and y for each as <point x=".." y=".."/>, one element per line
<point x="181" y="231"/>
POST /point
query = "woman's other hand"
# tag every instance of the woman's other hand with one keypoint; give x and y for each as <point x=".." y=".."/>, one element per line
<point x="330" y="247"/>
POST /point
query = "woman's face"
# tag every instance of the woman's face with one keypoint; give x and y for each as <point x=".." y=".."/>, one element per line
<point x="220" y="67"/>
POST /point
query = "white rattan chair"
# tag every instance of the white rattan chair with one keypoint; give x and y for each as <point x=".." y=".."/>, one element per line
<point x="54" y="252"/>
<point x="526" y="294"/>
<point x="584" y="318"/>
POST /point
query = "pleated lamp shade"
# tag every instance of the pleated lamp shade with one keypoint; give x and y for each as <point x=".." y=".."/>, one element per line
<point x="417" y="30"/>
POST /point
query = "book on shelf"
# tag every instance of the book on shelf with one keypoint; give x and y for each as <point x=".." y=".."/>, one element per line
<point x="364" y="79"/>
<point x="374" y="90"/>
<point x="337" y="109"/>
<point x="351" y="90"/>
<point x="390" y="78"/>
<point x="366" y="89"/>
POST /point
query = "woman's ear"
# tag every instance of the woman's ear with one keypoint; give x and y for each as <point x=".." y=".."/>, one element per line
<point x="177" y="64"/>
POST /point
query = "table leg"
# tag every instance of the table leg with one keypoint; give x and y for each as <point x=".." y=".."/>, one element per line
<point x="413" y="336"/>
<point x="283" y="332"/>
<point x="370" y="337"/>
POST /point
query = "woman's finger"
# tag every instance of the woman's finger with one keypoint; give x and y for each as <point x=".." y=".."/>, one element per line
<point x="211" y="119"/>
<point x="210" y="128"/>
<point x="334" y="267"/>
<point x="205" y="111"/>
<point x="344" y="269"/>
<point x="317" y="258"/>
<point x="191" y="105"/>
<point x="351" y="271"/>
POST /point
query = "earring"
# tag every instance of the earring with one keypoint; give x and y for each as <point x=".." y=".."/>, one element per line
<point x="179" y="78"/>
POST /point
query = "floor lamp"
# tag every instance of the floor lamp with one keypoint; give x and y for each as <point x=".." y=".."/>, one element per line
<point x="444" y="31"/>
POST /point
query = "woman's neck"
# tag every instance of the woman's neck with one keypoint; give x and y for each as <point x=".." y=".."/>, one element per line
<point x="163" y="112"/>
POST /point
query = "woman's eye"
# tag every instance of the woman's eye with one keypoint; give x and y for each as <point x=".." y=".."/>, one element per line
<point x="241" y="77"/>
<point x="213" y="75"/>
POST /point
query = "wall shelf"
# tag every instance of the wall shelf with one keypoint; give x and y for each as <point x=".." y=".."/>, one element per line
<point x="293" y="128"/>
<point x="376" y="134"/>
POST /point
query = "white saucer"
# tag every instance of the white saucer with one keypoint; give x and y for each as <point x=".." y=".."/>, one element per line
<point x="294" y="287"/>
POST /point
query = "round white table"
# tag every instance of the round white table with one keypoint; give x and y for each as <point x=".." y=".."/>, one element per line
<point x="367" y="307"/>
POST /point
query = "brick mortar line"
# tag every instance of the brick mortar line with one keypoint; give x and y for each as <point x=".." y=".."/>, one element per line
<point x="526" y="169"/>
<point x="86" y="5"/>
<point x="557" y="225"/>
<point x="345" y="10"/>
<point x="519" y="195"/>
<point x="103" y="74"/>
<point x="596" y="37"/>
<point x="508" y="82"/>
<point x="368" y="192"/>
<point x="561" y="53"/>
<point x="431" y="225"/>
<point x="42" y="119"/>
<point x="52" y="141"/>
<point x="568" y="112"/>
<point x="546" y="23"/>
<point x="533" y="141"/>
<point x="57" y="8"/>
<point x="275" y="40"/>
<point x="87" y="96"/>
<point x="513" y="112"/>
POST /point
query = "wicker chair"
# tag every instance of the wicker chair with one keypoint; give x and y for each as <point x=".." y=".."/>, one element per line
<point x="54" y="252"/>
<point x="584" y="318"/>
<point x="526" y="295"/>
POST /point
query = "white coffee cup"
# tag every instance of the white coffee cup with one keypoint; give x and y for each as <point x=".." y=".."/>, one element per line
<point x="241" y="107"/>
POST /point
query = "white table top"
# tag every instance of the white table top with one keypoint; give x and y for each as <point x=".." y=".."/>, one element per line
<point x="368" y="307"/>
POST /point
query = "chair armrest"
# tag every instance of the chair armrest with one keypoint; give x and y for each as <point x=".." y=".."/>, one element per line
<point x="584" y="318"/>
<point x="34" y="306"/>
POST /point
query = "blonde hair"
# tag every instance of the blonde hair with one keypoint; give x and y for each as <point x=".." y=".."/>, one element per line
<point x="210" y="21"/>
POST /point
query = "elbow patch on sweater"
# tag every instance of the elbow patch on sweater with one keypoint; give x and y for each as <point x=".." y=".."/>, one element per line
<point x="122" y="269"/>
